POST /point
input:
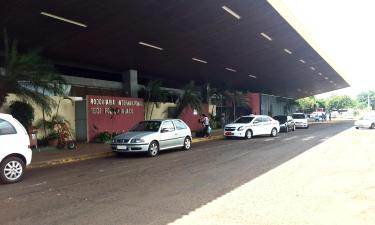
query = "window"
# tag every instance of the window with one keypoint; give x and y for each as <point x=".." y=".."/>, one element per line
<point x="258" y="120"/>
<point x="168" y="126"/>
<point x="6" y="128"/>
<point x="152" y="126"/>
<point x="244" y="119"/>
<point x="179" y="124"/>
<point x="266" y="119"/>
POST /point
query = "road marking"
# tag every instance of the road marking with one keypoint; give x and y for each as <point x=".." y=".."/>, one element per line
<point x="290" y="138"/>
<point x="308" y="138"/>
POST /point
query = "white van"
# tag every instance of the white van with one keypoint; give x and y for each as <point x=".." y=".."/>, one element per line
<point x="300" y="120"/>
<point x="15" y="152"/>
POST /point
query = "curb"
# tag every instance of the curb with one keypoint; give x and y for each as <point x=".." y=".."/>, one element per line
<point x="74" y="159"/>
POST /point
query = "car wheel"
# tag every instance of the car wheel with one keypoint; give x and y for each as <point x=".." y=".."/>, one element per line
<point x="372" y="126"/>
<point x="153" y="149"/>
<point x="12" y="170"/>
<point x="248" y="134"/>
<point x="187" y="144"/>
<point x="273" y="132"/>
<point x="357" y="128"/>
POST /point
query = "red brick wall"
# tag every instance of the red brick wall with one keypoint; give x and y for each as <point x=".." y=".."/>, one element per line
<point x="112" y="114"/>
<point x="193" y="120"/>
<point x="254" y="100"/>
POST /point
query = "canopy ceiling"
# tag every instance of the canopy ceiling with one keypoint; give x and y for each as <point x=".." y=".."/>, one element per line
<point x="184" y="29"/>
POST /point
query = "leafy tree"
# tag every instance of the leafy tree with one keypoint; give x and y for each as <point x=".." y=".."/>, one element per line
<point x="340" y="102"/>
<point x="152" y="94"/>
<point x="307" y="104"/>
<point x="29" y="76"/>
<point x="235" y="99"/>
<point x="23" y="112"/>
<point x="362" y="99"/>
<point x="190" y="98"/>
<point x="321" y="103"/>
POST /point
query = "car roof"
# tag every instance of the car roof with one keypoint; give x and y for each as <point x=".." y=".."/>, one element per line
<point x="161" y="120"/>
<point x="6" y="116"/>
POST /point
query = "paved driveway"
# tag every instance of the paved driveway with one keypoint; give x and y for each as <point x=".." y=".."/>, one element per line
<point x="140" y="190"/>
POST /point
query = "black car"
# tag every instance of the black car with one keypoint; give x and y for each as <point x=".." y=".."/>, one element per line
<point x="286" y="123"/>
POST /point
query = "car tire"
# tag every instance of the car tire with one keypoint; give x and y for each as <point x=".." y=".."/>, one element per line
<point x="12" y="170"/>
<point x="187" y="144"/>
<point x="153" y="149"/>
<point x="357" y="128"/>
<point x="273" y="132"/>
<point x="372" y="126"/>
<point x="248" y="134"/>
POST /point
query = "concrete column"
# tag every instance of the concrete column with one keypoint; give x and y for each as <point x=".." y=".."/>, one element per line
<point x="130" y="83"/>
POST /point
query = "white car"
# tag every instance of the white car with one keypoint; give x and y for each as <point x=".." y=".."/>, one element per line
<point x="249" y="126"/>
<point x="367" y="121"/>
<point x="15" y="152"/>
<point x="300" y="120"/>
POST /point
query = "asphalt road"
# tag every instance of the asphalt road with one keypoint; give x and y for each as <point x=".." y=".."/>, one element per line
<point x="135" y="189"/>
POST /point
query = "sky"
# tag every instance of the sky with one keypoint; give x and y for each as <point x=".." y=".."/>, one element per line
<point x="345" y="30"/>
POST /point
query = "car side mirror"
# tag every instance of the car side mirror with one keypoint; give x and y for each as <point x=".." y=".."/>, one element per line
<point x="164" y="130"/>
<point x="255" y="122"/>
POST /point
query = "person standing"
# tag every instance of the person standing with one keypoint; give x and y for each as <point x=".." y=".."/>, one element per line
<point x="206" y="123"/>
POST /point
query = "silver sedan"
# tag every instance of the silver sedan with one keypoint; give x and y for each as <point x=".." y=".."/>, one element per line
<point x="154" y="135"/>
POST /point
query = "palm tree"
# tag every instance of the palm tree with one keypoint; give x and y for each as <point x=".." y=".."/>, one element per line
<point x="236" y="99"/>
<point x="152" y="94"/>
<point x="190" y="98"/>
<point x="29" y="76"/>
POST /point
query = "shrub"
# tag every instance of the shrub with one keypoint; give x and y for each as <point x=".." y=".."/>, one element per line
<point x="23" y="112"/>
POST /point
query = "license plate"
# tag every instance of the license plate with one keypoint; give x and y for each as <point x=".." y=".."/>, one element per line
<point x="228" y="133"/>
<point x="120" y="147"/>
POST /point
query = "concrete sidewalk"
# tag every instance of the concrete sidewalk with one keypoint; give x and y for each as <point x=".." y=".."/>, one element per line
<point x="332" y="183"/>
<point x="86" y="151"/>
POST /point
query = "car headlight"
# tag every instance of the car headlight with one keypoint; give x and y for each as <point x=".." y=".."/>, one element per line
<point x="137" y="140"/>
<point x="240" y="128"/>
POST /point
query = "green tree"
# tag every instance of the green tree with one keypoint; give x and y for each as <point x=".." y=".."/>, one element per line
<point x="307" y="104"/>
<point x="152" y="95"/>
<point x="29" y="76"/>
<point x="235" y="99"/>
<point x="321" y="103"/>
<point x="190" y="98"/>
<point x="340" y="102"/>
<point x="362" y="99"/>
<point x="23" y="112"/>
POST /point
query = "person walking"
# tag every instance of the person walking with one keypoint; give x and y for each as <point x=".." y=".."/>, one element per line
<point x="206" y="124"/>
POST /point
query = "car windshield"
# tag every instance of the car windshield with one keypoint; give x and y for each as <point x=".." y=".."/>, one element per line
<point x="298" y="116"/>
<point x="152" y="126"/>
<point x="244" y="119"/>
<point x="281" y="119"/>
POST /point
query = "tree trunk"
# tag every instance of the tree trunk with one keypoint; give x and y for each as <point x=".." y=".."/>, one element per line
<point x="152" y="109"/>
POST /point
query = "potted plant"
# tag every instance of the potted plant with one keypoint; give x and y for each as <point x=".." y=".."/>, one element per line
<point x="53" y="138"/>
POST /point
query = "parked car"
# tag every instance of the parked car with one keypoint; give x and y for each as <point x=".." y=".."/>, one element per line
<point x="15" y="152"/>
<point x="286" y="123"/>
<point x="300" y="120"/>
<point x="249" y="126"/>
<point x="367" y="121"/>
<point x="153" y="136"/>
